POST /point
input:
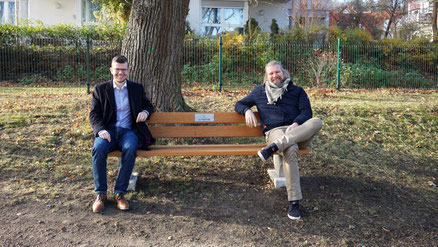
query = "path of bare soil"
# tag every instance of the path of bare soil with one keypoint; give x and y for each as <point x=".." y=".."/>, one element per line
<point x="222" y="215"/>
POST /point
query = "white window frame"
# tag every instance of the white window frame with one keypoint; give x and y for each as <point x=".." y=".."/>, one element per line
<point x="6" y="11"/>
<point x="85" y="11"/>
<point x="221" y="25"/>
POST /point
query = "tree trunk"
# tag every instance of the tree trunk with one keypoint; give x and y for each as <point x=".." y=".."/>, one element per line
<point x="153" y="44"/>
<point x="388" y="28"/>
<point x="434" y="21"/>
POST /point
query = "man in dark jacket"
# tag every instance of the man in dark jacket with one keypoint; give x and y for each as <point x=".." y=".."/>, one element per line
<point x="119" y="109"/>
<point x="286" y="120"/>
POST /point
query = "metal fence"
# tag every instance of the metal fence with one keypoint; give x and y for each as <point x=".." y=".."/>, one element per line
<point x="230" y="65"/>
<point x="34" y="60"/>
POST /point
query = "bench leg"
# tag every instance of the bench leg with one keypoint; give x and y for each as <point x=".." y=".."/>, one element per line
<point x="277" y="174"/>
<point x="132" y="179"/>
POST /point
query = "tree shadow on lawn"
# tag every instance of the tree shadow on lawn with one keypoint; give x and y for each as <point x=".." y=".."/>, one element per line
<point x="335" y="207"/>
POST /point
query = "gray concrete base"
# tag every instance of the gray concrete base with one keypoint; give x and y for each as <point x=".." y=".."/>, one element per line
<point x="133" y="181"/>
<point x="277" y="174"/>
<point x="277" y="180"/>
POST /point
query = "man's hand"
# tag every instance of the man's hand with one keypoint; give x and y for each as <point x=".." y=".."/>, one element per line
<point x="250" y="118"/>
<point x="294" y="125"/>
<point x="105" y="135"/>
<point x="142" y="116"/>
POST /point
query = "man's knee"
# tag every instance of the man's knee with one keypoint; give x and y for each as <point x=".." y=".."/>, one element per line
<point x="316" y="123"/>
<point x="129" y="147"/>
<point x="100" y="146"/>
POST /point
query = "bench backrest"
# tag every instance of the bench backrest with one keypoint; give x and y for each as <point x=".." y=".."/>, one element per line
<point x="198" y="124"/>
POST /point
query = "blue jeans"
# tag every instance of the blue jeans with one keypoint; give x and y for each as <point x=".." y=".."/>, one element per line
<point x="121" y="139"/>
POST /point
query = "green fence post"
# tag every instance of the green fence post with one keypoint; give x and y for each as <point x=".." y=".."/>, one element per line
<point x="338" y="66"/>
<point x="88" y="63"/>
<point x="220" y="64"/>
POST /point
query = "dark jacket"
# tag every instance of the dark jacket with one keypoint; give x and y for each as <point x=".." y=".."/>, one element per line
<point x="294" y="106"/>
<point x="103" y="114"/>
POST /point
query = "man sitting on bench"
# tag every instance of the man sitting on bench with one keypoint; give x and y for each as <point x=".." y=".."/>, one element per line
<point x="119" y="109"/>
<point x="286" y="120"/>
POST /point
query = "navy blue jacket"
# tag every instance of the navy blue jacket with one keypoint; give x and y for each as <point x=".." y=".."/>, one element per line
<point x="294" y="106"/>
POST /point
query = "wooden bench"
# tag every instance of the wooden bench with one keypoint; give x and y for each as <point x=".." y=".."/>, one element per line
<point x="204" y="125"/>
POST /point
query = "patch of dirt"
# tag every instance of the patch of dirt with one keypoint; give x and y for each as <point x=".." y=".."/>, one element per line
<point x="227" y="215"/>
<point x="245" y="211"/>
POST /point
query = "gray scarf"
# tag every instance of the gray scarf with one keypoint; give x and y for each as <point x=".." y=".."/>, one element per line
<point x="274" y="91"/>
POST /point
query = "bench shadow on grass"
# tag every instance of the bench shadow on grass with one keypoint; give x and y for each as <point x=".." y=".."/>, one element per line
<point x="353" y="208"/>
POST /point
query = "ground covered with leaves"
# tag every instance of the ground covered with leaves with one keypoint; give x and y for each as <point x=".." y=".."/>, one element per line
<point x="370" y="179"/>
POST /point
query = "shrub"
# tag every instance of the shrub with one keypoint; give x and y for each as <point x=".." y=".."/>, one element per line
<point x="27" y="80"/>
<point x="274" y="29"/>
<point x="70" y="74"/>
<point x="366" y="75"/>
<point x="10" y="34"/>
<point x="101" y="74"/>
<point x="252" y="27"/>
<point x="349" y="36"/>
<point x="321" y="68"/>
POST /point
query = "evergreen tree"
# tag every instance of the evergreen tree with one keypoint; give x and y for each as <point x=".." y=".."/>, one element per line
<point x="252" y="27"/>
<point x="274" y="28"/>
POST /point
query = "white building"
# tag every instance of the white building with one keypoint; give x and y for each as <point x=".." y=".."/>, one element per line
<point x="208" y="17"/>
<point x="212" y="17"/>
<point x="49" y="12"/>
<point x="310" y="12"/>
<point x="420" y="13"/>
<point x="420" y="10"/>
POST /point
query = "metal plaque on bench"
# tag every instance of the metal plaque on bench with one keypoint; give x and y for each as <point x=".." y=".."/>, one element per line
<point x="204" y="117"/>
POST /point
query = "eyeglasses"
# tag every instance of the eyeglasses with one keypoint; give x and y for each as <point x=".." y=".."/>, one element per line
<point x="120" y="70"/>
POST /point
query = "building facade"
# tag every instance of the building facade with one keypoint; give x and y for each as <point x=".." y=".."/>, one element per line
<point x="49" y="12"/>
<point x="206" y="17"/>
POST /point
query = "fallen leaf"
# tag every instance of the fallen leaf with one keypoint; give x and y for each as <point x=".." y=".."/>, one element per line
<point x="386" y="230"/>
<point x="431" y="183"/>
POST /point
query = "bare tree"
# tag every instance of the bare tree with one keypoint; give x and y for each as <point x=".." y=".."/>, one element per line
<point x="395" y="10"/>
<point x="319" y="67"/>
<point x="307" y="13"/>
<point x="434" y="21"/>
<point x="358" y="14"/>
<point x="370" y="6"/>
<point x="251" y="3"/>
<point x="153" y="44"/>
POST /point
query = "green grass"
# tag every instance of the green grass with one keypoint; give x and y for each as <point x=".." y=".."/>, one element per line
<point x="366" y="182"/>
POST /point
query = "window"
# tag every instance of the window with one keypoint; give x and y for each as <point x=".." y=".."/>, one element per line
<point x="89" y="10"/>
<point x="7" y="11"/>
<point x="218" y="20"/>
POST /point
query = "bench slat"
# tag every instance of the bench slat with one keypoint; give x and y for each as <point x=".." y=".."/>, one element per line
<point x="200" y="150"/>
<point x="204" y="131"/>
<point x="189" y="117"/>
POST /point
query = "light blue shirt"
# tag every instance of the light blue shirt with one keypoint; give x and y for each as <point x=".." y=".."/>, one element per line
<point x="122" y="103"/>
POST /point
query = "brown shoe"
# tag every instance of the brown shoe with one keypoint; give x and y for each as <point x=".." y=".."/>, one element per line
<point x="122" y="204"/>
<point x="98" y="205"/>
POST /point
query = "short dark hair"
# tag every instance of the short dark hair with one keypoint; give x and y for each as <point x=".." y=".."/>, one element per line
<point x="120" y="59"/>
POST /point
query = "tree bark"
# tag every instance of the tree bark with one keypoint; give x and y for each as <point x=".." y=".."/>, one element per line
<point x="153" y="44"/>
<point x="434" y="21"/>
<point x="393" y="9"/>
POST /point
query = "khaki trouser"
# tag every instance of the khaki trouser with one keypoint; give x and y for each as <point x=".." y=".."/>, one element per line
<point x="288" y="145"/>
